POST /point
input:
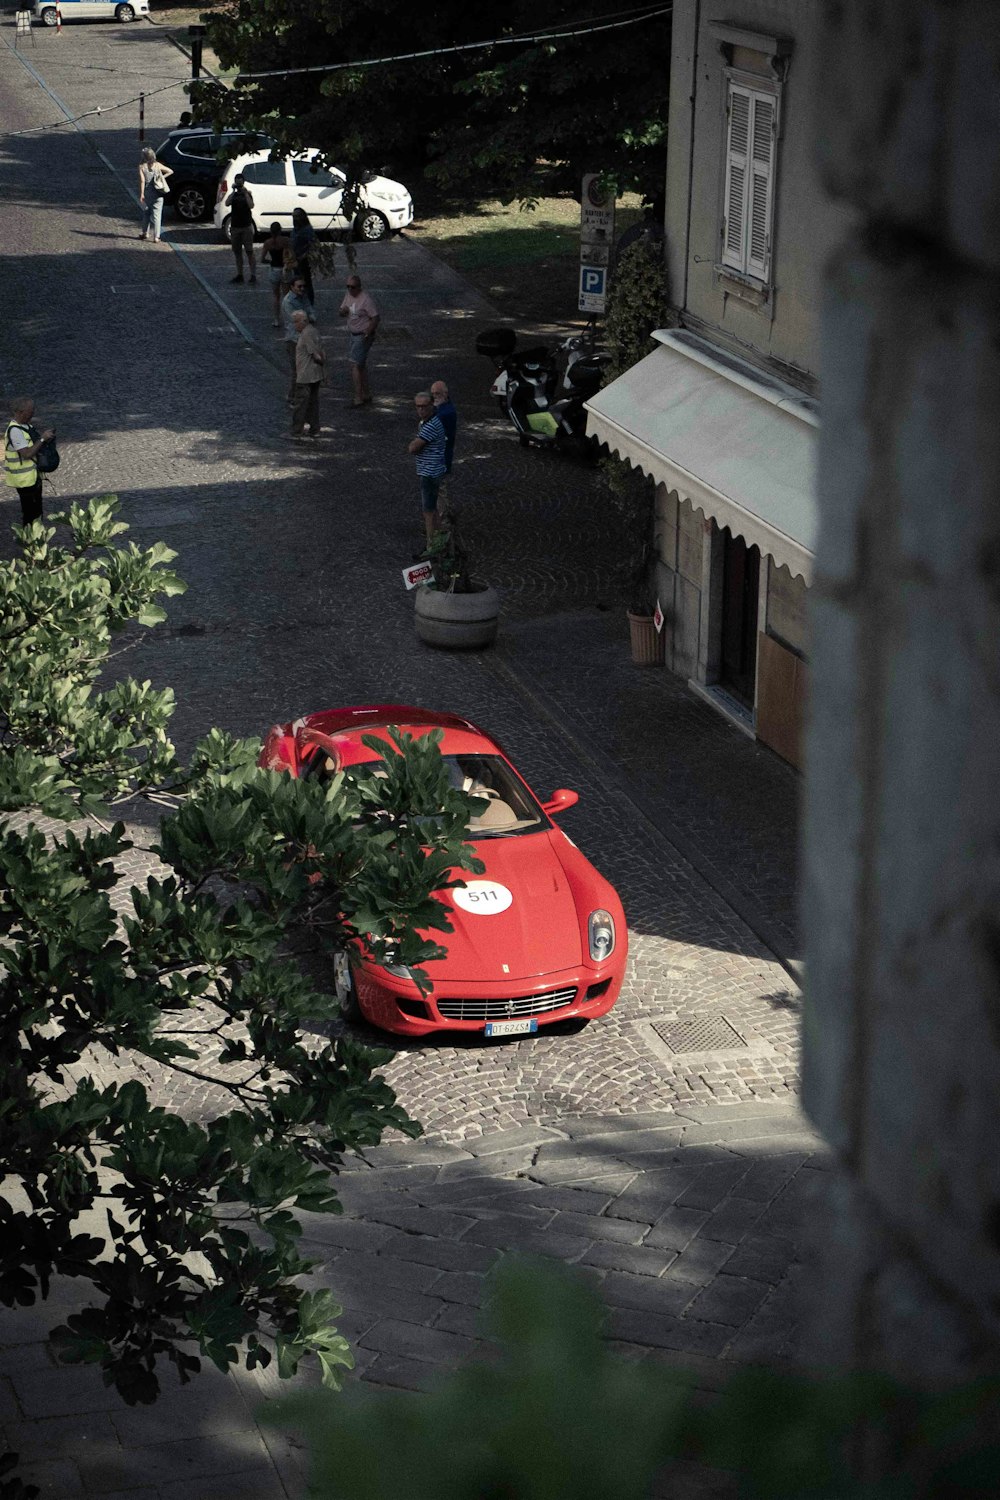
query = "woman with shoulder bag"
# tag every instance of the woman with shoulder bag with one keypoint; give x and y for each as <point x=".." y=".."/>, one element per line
<point x="152" y="191"/>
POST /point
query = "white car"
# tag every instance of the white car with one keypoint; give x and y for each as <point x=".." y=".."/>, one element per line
<point x="278" y="187"/>
<point x="89" y="10"/>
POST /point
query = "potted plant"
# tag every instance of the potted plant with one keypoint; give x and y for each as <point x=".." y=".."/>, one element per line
<point x="635" y="495"/>
<point x="452" y="608"/>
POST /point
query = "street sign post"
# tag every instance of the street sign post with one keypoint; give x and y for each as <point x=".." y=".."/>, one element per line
<point x="593" y="288"/>
<point x="597" y="234"/>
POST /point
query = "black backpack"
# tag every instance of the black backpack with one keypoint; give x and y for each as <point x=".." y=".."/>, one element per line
<point x="47" y="457"/>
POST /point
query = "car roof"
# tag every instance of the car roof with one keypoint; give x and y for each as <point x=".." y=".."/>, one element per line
<point x="342" y="729"/>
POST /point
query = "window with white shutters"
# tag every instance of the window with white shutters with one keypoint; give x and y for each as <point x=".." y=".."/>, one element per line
<point x="749" y="195"/>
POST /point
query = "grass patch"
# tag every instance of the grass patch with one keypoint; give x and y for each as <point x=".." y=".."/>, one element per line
<point x="526" y="261"/>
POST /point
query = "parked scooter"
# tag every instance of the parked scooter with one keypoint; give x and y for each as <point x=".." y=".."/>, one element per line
<point x="543" y="391"/>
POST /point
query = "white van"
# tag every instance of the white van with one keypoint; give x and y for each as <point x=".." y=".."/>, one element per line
<point x="278" y="187"/>
<point x="47" y="11"/>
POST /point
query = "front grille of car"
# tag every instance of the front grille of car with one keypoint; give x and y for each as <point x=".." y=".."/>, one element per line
<point x="504" y="1010"/>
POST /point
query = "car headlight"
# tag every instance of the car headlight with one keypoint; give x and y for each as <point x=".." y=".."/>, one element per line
<point x="601" y="932"/>
<point x="400" y="971"/>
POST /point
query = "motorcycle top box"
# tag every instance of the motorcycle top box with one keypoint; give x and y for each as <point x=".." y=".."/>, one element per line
<point x="496" y="342"/>
<point x="587" y="371"/>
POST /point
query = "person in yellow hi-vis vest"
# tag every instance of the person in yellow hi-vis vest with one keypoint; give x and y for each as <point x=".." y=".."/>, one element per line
<point x="21" y="443"/>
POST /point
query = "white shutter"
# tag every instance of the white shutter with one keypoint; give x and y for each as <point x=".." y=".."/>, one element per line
<point x="761" y="179"/>
<point x="737" y="174"/>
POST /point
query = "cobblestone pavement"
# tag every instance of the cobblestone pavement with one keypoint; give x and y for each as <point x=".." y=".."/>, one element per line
<point x="167" y="385"/>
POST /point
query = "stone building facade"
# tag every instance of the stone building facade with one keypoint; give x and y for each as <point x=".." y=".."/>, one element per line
<point x="723" y="415"/>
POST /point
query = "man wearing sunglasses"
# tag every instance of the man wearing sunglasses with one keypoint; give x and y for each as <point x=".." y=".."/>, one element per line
<point x="361" y="311"/>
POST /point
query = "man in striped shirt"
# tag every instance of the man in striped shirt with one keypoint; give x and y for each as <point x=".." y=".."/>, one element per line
<point x="429" y="447"/>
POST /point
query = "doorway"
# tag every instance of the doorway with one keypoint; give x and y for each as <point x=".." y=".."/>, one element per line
<point x="740" y="584"/>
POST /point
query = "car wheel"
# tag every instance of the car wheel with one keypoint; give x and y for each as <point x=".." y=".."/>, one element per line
<point x="49" y="16"/>
<point x="191" y="203"/>
<point x="225" y="229"/>
<point x="125" y="13"/>
<point x="345" y="989"/>
<point x="371" y="225"/>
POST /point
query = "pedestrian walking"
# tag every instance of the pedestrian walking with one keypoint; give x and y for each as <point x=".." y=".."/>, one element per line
<point x="363" y="317"/>
<point x="310" y="364"/>
<point x="303" y="240"/>
<point x="272" y="253"/>
<point x="294" y="300"/>
<point x="22" y="441"/>
<point x="152" y="191"/>
<point x="429" y="448"/>
<point x="240" y="205"/>
<point x="444" y="410"/>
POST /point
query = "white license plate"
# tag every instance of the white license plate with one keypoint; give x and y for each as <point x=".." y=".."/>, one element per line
<point x="510" y="1028"/>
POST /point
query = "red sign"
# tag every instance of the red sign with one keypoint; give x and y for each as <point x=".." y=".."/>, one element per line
<point x="419" y="573"/>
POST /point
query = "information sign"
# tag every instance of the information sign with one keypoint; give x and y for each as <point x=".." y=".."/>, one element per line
<point x="597" y="235"/>
<point x="419" y="573"/>
<point x="593" y="288"/>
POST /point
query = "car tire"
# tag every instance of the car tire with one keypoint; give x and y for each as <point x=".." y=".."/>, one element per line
<point x="191" y="202"/>
<point x="370" y="225"/>
<point x="345" y="988"/>
<point x="125" y="13"/>
<point x="50" y="16"/>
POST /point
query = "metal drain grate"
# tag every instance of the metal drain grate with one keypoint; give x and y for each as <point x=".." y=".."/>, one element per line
<point x="699" y="1034"/>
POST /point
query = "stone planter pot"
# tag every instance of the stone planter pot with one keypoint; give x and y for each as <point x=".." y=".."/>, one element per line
<point x="464" y="622"/>
<point x="647" y="644"/>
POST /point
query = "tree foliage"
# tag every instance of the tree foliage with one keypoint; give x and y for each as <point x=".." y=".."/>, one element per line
<point x="500" y="121"/>
<point x="184" y="1232"/>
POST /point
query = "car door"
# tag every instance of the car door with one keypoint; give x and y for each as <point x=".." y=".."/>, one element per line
<point x="271" y="192"/>
<point x="319" y="191"/>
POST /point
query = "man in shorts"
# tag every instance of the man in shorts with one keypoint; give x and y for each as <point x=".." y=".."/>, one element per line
<point x="240" y="205"/>
<point x="429" y="449"/>
<point x="444" y="410"/>
<point x="361" y="311"/>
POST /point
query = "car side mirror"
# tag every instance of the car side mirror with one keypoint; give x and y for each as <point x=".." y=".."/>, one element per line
<point x="560" y="800"/>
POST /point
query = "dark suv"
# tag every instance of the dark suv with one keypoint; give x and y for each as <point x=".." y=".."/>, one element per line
<point x="196" y="156"/>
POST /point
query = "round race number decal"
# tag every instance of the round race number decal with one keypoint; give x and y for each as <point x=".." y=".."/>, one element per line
<point x="483" y="898"/>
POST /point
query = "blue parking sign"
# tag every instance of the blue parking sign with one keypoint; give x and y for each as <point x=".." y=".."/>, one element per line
<point x="593" y="288"/>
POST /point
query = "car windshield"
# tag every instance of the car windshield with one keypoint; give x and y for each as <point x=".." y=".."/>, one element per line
<point x="510" y="807"/>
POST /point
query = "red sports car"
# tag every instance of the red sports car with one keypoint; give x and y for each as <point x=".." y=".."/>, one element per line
<point x="539" y="937"/>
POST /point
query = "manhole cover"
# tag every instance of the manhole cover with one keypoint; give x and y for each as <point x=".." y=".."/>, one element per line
<point x="700" y="1034"/>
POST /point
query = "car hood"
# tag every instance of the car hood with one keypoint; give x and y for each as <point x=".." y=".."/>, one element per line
<point x="386" y="188"/>
<point x="536" y="932"/>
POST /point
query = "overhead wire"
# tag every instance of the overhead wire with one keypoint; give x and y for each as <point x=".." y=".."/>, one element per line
<point x="507" y="41"/>
<point x="610" y="21"/>
<point x="100" y="109"/>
